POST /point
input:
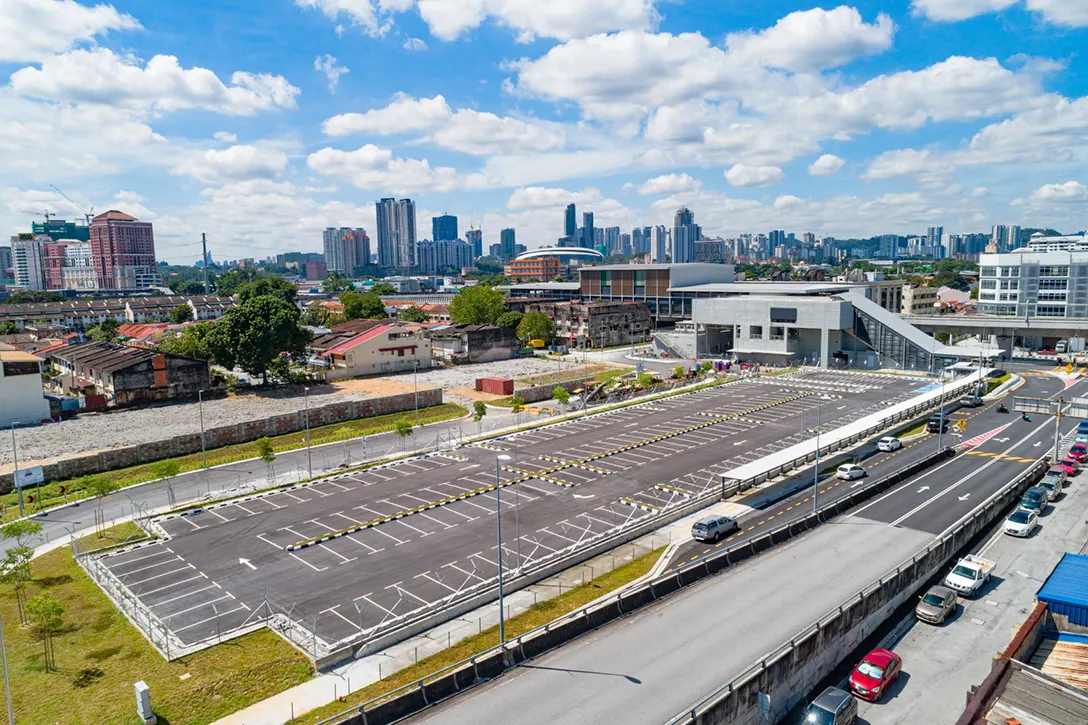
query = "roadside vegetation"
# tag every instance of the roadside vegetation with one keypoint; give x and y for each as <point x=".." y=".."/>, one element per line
<point x="96" y="655"/>
<point x="536" y="616"/>
<point x="57" y="492"/>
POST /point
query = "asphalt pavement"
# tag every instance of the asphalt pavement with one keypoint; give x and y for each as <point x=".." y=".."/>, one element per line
<point x="654" y="664"/>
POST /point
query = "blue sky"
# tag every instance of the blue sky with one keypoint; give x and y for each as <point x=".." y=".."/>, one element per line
<point x="261" y="123"/>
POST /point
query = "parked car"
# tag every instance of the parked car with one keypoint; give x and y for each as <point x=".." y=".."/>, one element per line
<point x="713" y="528"/>
<point x="936" y="605"/>
<point x="1034" y="499"/>
<point x="1070" y="465"/>
<point x="1053" y="488"/>
<point x="1079" y="452"/>
<point x="888" y="444"/>
<point x="849" y="471"/>
<point x="969" y="575"/>
<point x="1021" y="522"/>
<point x="875" y="674"/>
<point x="833" y="707"/>
<point x="1057" y="474"/>
<point x="972" y="401"/>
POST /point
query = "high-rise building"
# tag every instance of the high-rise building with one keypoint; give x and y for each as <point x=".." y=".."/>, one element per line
<point x="507" y="244"/>
<point x="475" y="238"/>
<point x="685" y="233"/>
<point x="570" y="222"/>
<point x="1005" y="238"/>
<point x="396" y="233"/>
<point x="589" y="237"/>
<point x="495" y="251"/>
<point x="435" y="257"/>
<point x="444" y="228"/>
<point x="808" y="238"/>
<point x="935" y="243"/>
<point x="123" y="250"/>
<point x="5" y="261"/>
<point x="625" y="243"/>
<point x="27" y="261"/>
<point x="889" y="246"/>
<point x="659" y="245"/>
<point x="346" y="250"/>
<point x="69" y="264"/>
<point x="61" y="229"/>
<point x="598" y="237"/>
<point x="641" y="239"/>
<point x="612" y="239"/>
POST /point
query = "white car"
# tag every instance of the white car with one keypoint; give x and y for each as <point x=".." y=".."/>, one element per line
<point x="888" y="444"/>
<point x="1021" y="522"/>
<point x="850" y="471"/>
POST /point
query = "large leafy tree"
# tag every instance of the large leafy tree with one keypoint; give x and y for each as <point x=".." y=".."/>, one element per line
<point x="510" y="319"/>
<point x="412" y="313"/>
<point x="362" y="306"/>
<point x="536" y="325"/>
<point x="383" y="288"/>
<point x="180" y="314"/>
<point x="251" y="335"/>
<point x="231" y="280"/>
<point x="268" y="287"/>
<point x="190" y="343"/>
<point x="477" y="305"/>
<point x="336" y="284"/>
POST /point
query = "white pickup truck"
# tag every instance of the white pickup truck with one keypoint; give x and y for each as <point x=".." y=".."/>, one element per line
<point x="969" y="575"/>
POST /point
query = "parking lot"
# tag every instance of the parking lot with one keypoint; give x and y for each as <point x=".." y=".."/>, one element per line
<point x="424" y="530"/>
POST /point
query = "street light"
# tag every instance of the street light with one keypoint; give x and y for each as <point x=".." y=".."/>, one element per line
<point x="415" y="389"/>
<point x="15" y="474"/>
<point x="816" y="473"/>
<point x="498" y="528"/>
<point x="203" y="450"/>
<point x="309" y="457"/>
<point x="7" y="685"/>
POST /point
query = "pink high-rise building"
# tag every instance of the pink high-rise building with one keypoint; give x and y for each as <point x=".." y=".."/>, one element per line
<point x="123" y="249"/>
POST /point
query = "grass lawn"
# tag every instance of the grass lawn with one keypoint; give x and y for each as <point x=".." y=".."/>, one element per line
<point x="52" y="494"/>
<point x="913" y="430"/>
<point x="537" y="616"/>
<point x="99" y="657"/>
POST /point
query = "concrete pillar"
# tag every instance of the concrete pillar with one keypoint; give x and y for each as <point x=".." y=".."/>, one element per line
<point x="825" y="346"/>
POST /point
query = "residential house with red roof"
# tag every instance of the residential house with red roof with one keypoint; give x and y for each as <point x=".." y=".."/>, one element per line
<point x="378" y="349"/>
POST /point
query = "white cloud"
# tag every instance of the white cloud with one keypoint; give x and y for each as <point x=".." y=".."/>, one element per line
<point x="403" y="114"/>
<point x="540" y="197"/>
<point x="372" y="167"/>
<point x="1071" y="13"/>
<point x="1070" y="191"/>
<point x="908" y="162"/>
<point x="980" y="192"/>
<point x="34" y="30"/>
<point x="562" y="19"/>
<point x="826" y="165"/>
<point x="669" y="184"/>
<point x="237" y="163"/>
<point x="812" y="40"/>
<point x="484" y="134"/>
<point x="327" y="66"/>
<point x="415" y="44"/>
<point x="368" y="15"/>
<point x="225" y="136"/>
<point x="99" y="76"/>
<point x="743" y="175"/>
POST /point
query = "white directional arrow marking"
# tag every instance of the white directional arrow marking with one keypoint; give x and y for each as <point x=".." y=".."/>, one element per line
<point x="738" y="443"/>
<point x="964" y="497"/>
<point x="1002" y="440"/>
<point x="247" y="563"/>
<point x="923" y="488"/>
<point x="579" y="495"/>
<point x="1037" y="445"/>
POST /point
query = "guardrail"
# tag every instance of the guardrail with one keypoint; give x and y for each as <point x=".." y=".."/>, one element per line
<point x="491" y="663"/>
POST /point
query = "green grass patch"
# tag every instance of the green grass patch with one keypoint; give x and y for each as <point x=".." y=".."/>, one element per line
<point x="100" y="655"/>
<point x="993" y="384"/>
<point x="537" y="616"/>
<point x="914" y="430"/>
<point x="58" y="492"/>
<point x="127" y="532"/>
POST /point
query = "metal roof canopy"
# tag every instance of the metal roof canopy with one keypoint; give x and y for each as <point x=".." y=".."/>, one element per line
<point x="1065" y="590"/>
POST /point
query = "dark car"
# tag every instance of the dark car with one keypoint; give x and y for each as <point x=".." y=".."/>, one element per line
<point x="832" y="707"/>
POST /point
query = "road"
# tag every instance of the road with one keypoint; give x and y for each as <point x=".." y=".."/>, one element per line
<point x="566" y="483"/>
<point x="650" y="666"/>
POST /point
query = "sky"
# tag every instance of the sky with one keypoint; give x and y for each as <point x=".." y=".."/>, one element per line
<point x="261" y="122"/>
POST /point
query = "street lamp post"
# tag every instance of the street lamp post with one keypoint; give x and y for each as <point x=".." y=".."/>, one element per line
<point x="309" y="455"/>
<point x="7" y="685"/>
<point x="203" y="450"/>
<point x="415" y="388"/>
<point x="15" y="474"/>
<point x="816" y="473"/>
<point x="498" y="530"/>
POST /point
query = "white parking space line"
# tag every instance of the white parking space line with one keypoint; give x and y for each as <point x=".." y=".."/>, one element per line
<point x="188" y="520"/>
<point x="342" y="488"/>
<point x="413" y="596"/>
<point x="355" y="540"/>
<point x="469" y="574"/>
<point x="344" y="559"/>
<point x="159" y="576"/>
<point x="216" y="514"/>
<point x="315" y="568"/>
<point x="291" y="495"/>
<point x="145" y="595"/>
<point x="390" y="612"/>
<point x="159" y="552"/>
<point x="560" y="536"/>
<point x="268" y="500"/>
<point x="213" y="585"/>
<point x="122" y="575"/>
<point x="261" y="537"/>
<point x="378" y="529"/>
<point x="251" y="513"/>
<point x="483" y="558"/>
<point x="210" y="619"/>
<point x="332" y="610"/>
<point x="437" y="521"/>
<point x="427" y="575"/>
<point x="345" y="516"/>
<point x="197" y="606"/>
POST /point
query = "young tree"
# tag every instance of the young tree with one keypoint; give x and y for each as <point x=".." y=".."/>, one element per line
<point x="477" y="305"/>
<point x="22" y="532"/>
<point x="516" y="406"/>
<point x="362" y="306"/>
<point x="536" y="326"/>
<point x="15" y="572"/>
<point x="166" y="468"/>
<point x="254" y="333"/>
<point x="479" y="410"/>
<point x="646" y="380"/>
<point x="403" y="429"/>
<point x="412" y="313"/>
<point x="100" y="487"/>
<point x="266" y="454"/>
<point x="561" y="394"/>
<point x="180" y="314"/>
<point x="48" y="613"/>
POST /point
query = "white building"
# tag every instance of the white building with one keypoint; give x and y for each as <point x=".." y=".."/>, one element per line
<point x="382" y="349"/>
<point x="26" y="258"/>
<point x="396" y="233"/>
<point x="1034" y="284"/>
<point x="659" y="245"/>
<point x="21" y="398"/>
<point x="346" y="249"/>
<point x="78" y="272"/>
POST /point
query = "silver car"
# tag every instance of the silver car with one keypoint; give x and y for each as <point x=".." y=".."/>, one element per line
<point x="936" y="605"/>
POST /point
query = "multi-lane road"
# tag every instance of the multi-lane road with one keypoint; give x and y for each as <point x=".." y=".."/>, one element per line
<point x="428" y="537"/>
<point x="654" y="664"/>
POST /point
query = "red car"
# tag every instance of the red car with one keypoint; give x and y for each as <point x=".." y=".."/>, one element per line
<point x="875" y="674"/>
<point x="1070" y="465"/>
<point x="1079" y="452"/>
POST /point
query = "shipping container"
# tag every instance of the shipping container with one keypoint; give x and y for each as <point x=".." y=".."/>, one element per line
<point x="496" y="386"/>
<point x="1065" y="591"/>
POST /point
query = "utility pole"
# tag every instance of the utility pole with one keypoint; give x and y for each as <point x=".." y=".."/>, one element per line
<point x="204" y="263"/>
<point x="816" y="473"/>
<point x="15" y="475"/>
<point x="7" y="685"/>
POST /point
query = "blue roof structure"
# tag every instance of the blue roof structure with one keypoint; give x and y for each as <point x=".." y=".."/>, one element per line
<point x="1065" y="591"/>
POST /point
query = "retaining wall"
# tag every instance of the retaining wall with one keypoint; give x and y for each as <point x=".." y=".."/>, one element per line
<point x="230" y="435"/>
<point x="536" y="393"/>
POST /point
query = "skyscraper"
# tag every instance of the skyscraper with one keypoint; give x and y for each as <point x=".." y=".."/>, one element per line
<point x="346" y="249"/>
<point x="570" y="222"/>
<point x="507" y="244"/>
<point x="5" y="260"/>
<point x="659" y="247"/>
<point x="475" y="237"/>
<point x="26" y="253"/>
<point x="934" y="243"/>
<point x="685" y="233"/>
<point x="396" y="233"/>
<point x="444" y="228"/>
<point x="889" y="246"/>
<point x="123" y="250"/>
<point x="589" y="236"/>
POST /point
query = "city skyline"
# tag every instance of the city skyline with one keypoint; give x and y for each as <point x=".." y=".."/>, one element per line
<point x="915" y="117"/>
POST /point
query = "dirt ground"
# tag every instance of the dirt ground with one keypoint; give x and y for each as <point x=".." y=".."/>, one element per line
<point x="376" y="387"/>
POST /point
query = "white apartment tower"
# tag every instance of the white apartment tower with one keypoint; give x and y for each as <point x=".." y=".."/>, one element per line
<point x="26" y="259"/>
<point x="396" y="233"/>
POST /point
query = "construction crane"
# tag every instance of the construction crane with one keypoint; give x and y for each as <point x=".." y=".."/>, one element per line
<point x="88" y="214"/>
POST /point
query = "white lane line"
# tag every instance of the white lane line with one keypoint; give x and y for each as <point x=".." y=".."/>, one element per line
<point x="323" y="568"/>
<point x="196" y="606"/>
<point x="213" y="585"/>
<point x="149" y="566"/>
<point x="210" y="619"/>
<point x="345" y="559"/>
<point x="199" y="575"/>
<point x="159" y="576"/>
